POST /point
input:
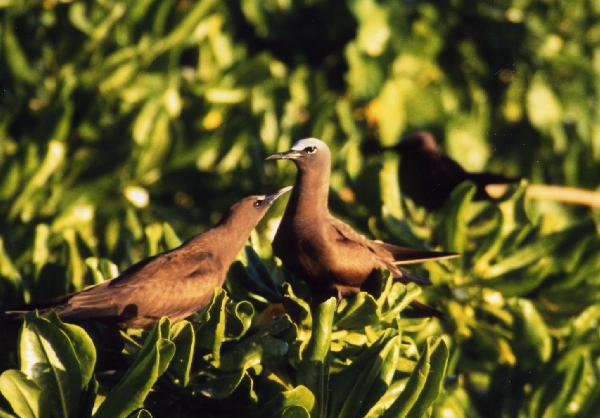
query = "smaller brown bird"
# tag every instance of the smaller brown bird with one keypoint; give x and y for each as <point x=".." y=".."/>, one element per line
<point x="427" y="176"/>
<point x="325" y="252"/>
<point x="175" y="283"/>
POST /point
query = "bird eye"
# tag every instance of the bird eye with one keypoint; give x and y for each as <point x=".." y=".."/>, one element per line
<point x="310" y="150"/>
<point x="258" y="203"/>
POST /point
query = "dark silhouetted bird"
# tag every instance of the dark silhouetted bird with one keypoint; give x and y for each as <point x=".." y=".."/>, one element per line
<point x="175" y="283"/>
<point x="322" y="250"/>
<point x="428" y="177"/>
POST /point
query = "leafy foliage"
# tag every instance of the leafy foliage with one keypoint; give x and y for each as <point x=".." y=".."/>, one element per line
<point x="123" y="122"/>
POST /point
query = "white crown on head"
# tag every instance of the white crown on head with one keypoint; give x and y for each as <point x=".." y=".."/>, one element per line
<point x="308" y="142"/>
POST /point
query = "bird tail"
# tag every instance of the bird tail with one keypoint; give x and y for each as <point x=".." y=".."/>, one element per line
<point x="15" y="312"/>
<point x="422" y="310"/>
<point x="18" y="311"/>
<point x="408" y="277"/>
<point x="484" y="178"/>
<point x="405" y="255"/>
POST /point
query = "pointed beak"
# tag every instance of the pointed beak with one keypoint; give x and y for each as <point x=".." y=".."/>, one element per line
<point x="270" y="198"/>
<point x="288" y="155"/>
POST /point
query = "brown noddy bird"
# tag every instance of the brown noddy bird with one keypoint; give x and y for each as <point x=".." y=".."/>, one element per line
<point x="325" y="252"/>
<point x="174" y="283"/>
<point x="427" y="176"/>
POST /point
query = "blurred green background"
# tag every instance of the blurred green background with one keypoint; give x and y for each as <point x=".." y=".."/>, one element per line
<point x="117" y="117"/>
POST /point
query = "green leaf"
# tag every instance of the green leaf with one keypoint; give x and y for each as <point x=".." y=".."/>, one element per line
<point x="153" y="237"/>
<point x="552" y="245"/>
<point x="296" y="307"/>
<point x="435" y="379"/>
<point x="223" y="385"/>
<point x="211" y="332"/>
<point x="359" y="311"/>
<point x="182" y="31"/>
<point x="390" y="194"/>
<point x="251" y="351"/>
<point x="183" y="336"/>
<point x="391" y="110"/>
<point x="151" y="362"/>
<point x="142" y="413"/>
<point x="53" y="160"/>
<point x="414" y="386"/>
<point x="48" y="357"/>
<point x="300" y="396"/>
<point x="374" y="30"/>
<point x="398" y="298"/>
<point x="170" y="236"/>
<point x="239" y="319"/>
<point x="17" y="61"/>
<point x="24" y="395"/>
<point x="453" y="227"/>
<point x="40" y="246"/>
<point x="7" y="268"/>
<point x="553" y="396"/>
<point x="387" y="399"/>
<point x="314" y="368"/>
<point x="543" y="108"/>
<point x="368" y="377"/>
<point x="532" y="340"/>
<point x="6" y="414"/>
<point x="295" y="412"/>
<point x="83" y="345"/>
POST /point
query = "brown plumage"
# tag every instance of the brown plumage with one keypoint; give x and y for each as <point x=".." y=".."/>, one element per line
<point x="322" y="250"/>
<point x="427" y="176"/>
<point x="175" y="283"/>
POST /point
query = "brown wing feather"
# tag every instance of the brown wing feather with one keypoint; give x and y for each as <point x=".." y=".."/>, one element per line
<point x="172" y="284"/>
<point x="387" y="256"/>
<point x="358" y="248"/>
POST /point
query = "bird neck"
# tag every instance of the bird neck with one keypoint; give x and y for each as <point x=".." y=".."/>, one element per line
<point x="310" y="194"/>
<point x="225" y="240"/>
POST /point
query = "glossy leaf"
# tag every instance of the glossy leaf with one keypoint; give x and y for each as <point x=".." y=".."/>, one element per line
<point x="314" y="372"/>
<point x="48" y="358"/>
<point x="409" y="397"/>
<point x="150" y="363"/>
<point x="24" y="395"/>
<point x="363" y="383"/>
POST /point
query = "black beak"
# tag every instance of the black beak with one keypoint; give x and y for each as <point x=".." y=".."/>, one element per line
<point x="288" y="155"/>
<point x="270" y="198"/>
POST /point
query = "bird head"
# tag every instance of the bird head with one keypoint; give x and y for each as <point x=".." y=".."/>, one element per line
<point x="307" y="152"/>
<point x="417" y="141"/>
<point x="251" y="209"/>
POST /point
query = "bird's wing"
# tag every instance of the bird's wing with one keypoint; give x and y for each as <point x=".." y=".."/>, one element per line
<point x="359" y="247"/>
<point x="176" y="263"/>
<point x="387" y="252"/>
<point x="446" y="174"/>
<point x="169" y="284"/>
<point x="448" y="166"/>
<point x="345" y="233"/>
